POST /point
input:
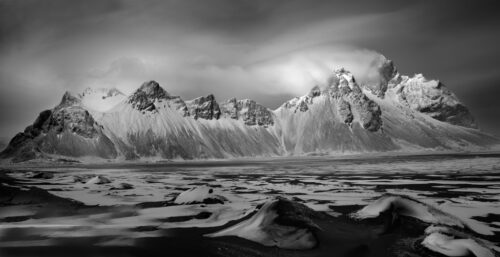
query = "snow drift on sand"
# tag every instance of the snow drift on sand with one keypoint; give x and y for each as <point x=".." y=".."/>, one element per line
<point x="451" y="243"/>
<point x="201" y="194"/>
<point x="281" y="222"/>
<point x="406" y="206"/>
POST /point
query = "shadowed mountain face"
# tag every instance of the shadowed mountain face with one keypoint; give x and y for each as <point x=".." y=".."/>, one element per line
<point x="68" y="129"/>
<point x="395" y="113"/>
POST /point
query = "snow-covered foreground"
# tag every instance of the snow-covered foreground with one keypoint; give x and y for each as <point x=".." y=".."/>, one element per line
<point x="213" y="194"/>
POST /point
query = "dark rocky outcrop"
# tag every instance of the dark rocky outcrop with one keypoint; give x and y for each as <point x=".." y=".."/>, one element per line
<point x="249" y="111"/>
<point x="205" y="107"/>
<point x="369" y="113"/>
<point x="303" y="106"/>
<point x="74" y="119"/>
<point x="314" y="92"/>
<point x="143" y="99"/>
<point x="344" y="88"/>
<point x="344" y="110"/>
<point x="150" y="94"/>
<point x="68" y="100"/>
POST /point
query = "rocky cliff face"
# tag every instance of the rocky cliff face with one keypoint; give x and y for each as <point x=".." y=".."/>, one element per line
<point x="345" y="112"/>
<point x="204" y="107"/>
<point x="432" y="98"/>
<point x="68" y="129"/>
<point x="393" y="113"/>
<point x="144" y="98"/>
<point x="351" y="99"/>
<point x="351" y="103"/>
<point x="150" y="96"/>
<point x="249" y="111"/>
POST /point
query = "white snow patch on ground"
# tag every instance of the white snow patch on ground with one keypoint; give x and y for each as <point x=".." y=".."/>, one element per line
<point x="198" y="195"/>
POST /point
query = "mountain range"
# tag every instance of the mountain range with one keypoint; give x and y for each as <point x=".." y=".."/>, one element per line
<point x="396" y="113"/>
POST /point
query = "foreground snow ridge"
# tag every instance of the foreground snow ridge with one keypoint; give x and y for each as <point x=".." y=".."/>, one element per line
<point x="441" y="237"/>
<point x="201" y="194"/>
<point x="452" y="243"/>
<point x="281" y="222"/>
<point x="406" y="206"/>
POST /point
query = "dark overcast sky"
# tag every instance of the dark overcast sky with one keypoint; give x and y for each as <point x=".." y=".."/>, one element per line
<point x="266" y="50"/>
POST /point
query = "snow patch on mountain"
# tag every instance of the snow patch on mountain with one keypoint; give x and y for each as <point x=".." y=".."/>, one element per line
<point x="101" y="99"/>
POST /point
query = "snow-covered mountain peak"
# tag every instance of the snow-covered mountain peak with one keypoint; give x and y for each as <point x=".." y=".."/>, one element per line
<point x="101" y="99"/>
<point x="344" y="75"/>
<point x="434" y="99"/>
<point x="342" y="80"/>
<point x="104" y="92"/>
<point x="302" y="103"/>
<point x="144" y="98"/>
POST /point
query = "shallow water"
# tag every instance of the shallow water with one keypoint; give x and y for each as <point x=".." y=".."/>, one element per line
<point x="466" y="186"/>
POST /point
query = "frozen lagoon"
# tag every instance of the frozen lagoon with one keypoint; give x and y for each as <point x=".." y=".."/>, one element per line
<point x="466" y="186"/>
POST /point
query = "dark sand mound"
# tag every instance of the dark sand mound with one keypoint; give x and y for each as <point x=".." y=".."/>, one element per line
<point x="281" y="222"/>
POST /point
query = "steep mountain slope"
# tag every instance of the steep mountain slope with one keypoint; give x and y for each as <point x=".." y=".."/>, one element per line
<point x="399" y="114"/>
<point x="167" y="127"/>
<point x="394" y="113"/>
<point x="68" y="129"/>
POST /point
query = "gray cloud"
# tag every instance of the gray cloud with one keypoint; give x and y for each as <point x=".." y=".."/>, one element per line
<point x="266" y="50"/>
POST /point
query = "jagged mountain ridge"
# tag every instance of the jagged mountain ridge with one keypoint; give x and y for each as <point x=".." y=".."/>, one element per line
<point x="397" y="113"/>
